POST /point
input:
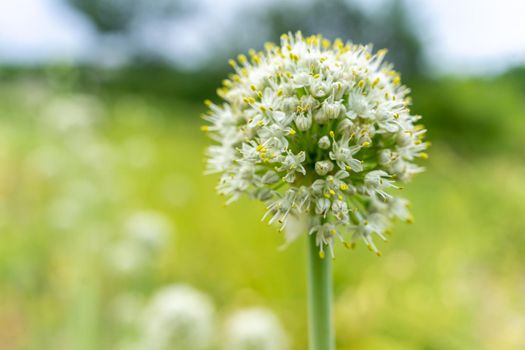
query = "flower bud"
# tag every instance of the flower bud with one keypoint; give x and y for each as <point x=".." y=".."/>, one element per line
<point x="264" y="194"/>
<point x="328" y="111"/>
<point x="301" y="79"/>
<point x="303" y="121"/>
<point x="345" y="127"/>
<point x="403" y="139"/>
<point x="324" y="167"/>
<point x="339" y="89"/>
<point x="340" y="210"/>
<point x="324" y="142"/>
<point x="270" y="177"/>
<point x="289" y="104"/>
<point x="398" y="166"/>
<point x="385" y="157"/>
<point x="322" y="205"/>
<point x="319" y="89"/>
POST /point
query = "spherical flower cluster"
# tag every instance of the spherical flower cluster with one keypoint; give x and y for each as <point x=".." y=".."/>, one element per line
<point x="320" y="129"/>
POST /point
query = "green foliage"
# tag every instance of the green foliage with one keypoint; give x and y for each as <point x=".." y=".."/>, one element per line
<point x="475" y="116"/>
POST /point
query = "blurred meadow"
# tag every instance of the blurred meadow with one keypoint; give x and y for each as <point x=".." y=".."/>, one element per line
<point x="103" y="201"/>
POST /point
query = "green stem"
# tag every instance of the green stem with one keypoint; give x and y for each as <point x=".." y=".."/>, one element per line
<point x="320" y="329"/>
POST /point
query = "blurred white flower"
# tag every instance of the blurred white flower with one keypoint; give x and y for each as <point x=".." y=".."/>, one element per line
<point x="70" y="113"/>
<point x="177" y="317"/>
<point x="71" y="203"/>
<point x="127" y="257"/>
<point x="148" y="228"/>
<point x="126" y="308"/>
<point x="254" y="329"/>
<point x="311" y="126"/>
<point x="144" y="235"/>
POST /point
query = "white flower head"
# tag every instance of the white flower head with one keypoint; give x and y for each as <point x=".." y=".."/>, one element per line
<point x="317" y="128"/>
<point x="255" y="329"/>
<point x="178" y="317"/>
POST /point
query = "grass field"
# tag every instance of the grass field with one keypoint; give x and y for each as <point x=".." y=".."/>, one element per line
<point x="75" y="167"/>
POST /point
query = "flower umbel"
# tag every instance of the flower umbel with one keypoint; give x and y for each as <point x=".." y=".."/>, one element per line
<point x="318" y="128"/>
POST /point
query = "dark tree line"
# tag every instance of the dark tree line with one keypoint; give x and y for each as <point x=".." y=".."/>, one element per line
<point x="336" y="18"/>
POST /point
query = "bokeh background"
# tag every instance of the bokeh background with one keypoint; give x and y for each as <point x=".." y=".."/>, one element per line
<point x="103" y="201"/>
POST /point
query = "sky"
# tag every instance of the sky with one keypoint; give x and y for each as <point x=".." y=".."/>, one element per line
<point x="460" y="36"/>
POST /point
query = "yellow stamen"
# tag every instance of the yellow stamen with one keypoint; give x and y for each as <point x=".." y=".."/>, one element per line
<point x="396" y="80"/>
<point x="222" y="92"/>
<point x="382" y="52"/>
<point x="338" y="44"/>
<point x="269" y="46"/>
<point x="242" y="58"/>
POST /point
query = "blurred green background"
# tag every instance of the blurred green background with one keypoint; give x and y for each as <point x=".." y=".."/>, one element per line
<point x="87" y="147"/>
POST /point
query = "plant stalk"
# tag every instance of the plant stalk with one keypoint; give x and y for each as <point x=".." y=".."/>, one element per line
<point x="320" y="327"/>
